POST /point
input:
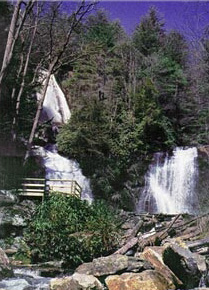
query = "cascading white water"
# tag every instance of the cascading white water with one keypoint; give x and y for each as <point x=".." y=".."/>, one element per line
<point x="25" y="279"/>
<point x="56" y="109"/>
<point x="55" y="106"/>
<point x="59" y="167"/>
<point x="170" y="183"/>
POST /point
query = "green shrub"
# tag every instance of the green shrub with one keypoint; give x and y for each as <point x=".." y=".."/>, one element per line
<point x="69" y="229"/>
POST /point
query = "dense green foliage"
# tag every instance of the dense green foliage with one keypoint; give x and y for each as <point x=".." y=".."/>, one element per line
<point x="68" y="229"/>
<point x="128" y="105"/>
<point x="130" y="95"/>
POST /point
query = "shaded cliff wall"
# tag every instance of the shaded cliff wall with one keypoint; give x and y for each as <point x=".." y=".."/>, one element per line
<point x="11" y="163"/>
<point x="203" y="179"/>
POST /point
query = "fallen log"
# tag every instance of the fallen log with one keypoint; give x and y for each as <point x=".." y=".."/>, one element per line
<point x="198" y="244"/>
<point x="151" y="239"/>
<point x="166" y="231"/>
<point x="136" y="229"/>
<point x="129" y="245"/>
<point x="191" y="221"/>
<point x="131" y="240"/>
<point x="156" y="238"/>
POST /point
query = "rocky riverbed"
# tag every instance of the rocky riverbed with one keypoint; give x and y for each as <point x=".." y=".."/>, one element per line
<point x="157" y="252"/>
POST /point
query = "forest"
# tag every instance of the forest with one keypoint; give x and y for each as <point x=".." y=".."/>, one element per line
<point x="129" y="95"/>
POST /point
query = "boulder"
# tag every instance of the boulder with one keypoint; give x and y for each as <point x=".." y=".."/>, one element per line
<point x="6" y="197"/>
<point x="76" y="282"/>
<point x="183" y="263"/>
<point x="147" y="280"/>
<point x="113" y="264"/>
<point x="5" y="269"/>
<point x="14" y="284"/>
<point x="154" y="256"/>
<point x="13" y="219"/>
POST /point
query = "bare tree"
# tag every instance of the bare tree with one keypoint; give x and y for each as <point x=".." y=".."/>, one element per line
<point x="56" y="51"/>
<point x="32" y="33"/>
<point x="17" y="22"/>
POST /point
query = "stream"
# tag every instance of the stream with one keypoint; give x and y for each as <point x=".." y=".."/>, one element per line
<point x="26" y="279"/>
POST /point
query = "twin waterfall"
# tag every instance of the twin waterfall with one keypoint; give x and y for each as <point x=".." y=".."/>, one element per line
<point x="170" y="183"/>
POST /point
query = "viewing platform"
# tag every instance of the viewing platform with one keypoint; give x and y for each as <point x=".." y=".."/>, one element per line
<point x="41" y="187"/>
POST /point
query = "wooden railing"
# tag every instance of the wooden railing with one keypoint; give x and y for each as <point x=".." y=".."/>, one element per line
<point x="66" y="186"/>
<point x="40" y="187"/>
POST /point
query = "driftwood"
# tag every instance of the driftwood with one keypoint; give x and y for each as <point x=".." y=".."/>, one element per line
<point x="136" y="229"/>
<point x="165" y="233"/>
<point x="131" y="239"/>
<point x="157" y="237"/>
<point x="190" y="234"/>
<point x="191" y="221"/>
<point x="198" y="244"/>
<point x="142" y="242"/>
<point x="129" y="245"/>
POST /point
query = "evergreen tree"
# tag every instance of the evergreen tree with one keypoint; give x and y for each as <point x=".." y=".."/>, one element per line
<point x="149" y="34"/>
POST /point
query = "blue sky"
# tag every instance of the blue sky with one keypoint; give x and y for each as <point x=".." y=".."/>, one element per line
<point x="188" y="16"/>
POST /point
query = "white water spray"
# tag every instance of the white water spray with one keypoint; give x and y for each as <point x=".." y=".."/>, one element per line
<point x="59" y="167"/>
<point x="170" y="185"/>
<point x="55" y="108"/>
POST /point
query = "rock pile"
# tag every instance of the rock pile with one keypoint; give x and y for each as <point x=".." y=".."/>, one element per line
<point x="157" y="253"/>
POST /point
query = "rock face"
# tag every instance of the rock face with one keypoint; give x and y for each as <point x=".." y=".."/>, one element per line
<point x="147" y="280"/>
<point x="76" y="282"/>
<point x="6" y="198"/>
<point x="12" y="219"/>
<point x="113" y="264"/>
<point x="154" y="256"/>
<point x="182" y="262"/>
<point x="5" y="269"/>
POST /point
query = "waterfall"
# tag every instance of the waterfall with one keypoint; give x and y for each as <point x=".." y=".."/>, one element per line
<point x="170" y="183"/>
<point x="55" y="106"/>
<point x="59" y="167"/>
<point x="56" y="110"/>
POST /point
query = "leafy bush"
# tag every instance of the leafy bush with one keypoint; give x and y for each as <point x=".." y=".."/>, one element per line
<point x="70" y="229"/>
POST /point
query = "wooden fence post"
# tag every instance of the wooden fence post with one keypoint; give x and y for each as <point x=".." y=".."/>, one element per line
<point x="46" y="189"/>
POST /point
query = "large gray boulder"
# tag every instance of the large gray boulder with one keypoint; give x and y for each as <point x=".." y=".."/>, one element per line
<point x="113" y="264"/>
<point x="7" y="198"/>
<point x="13" y="218"/>
<point x="183" y="264"/>
<point x="76" y="282"/>
<point x="154" y="256"/>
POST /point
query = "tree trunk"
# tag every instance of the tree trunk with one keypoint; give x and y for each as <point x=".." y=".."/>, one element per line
<point x="129" y="245"/>
<point x="13" y="35"/>
<point x="77" y="17"/>
<point x="39" y="109"/>
<point x="14" y="123"/>
<point x="10" y="40"/>
<point x="19" y="70"/>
